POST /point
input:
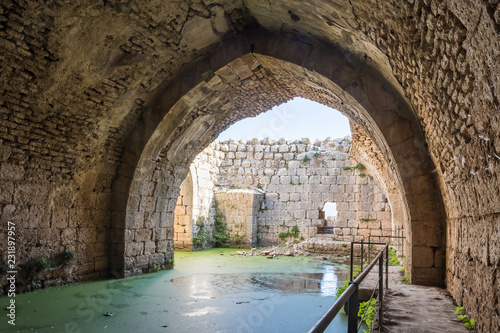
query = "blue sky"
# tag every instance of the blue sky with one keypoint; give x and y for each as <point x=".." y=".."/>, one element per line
<point x="296" y="119"/>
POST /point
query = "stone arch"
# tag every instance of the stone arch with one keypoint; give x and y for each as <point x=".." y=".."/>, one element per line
<point x="187" y="113"/>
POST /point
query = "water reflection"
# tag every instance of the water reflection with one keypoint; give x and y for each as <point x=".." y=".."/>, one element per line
<point x="217" y="285"/>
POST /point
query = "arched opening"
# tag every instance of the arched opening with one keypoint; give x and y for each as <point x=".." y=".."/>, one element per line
<point x="189" y="112"/>
<point x="183" y="216"/>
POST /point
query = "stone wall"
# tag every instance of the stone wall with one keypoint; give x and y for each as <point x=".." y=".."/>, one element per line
<point x="240" y="208"/>
<point x="298" y="178"/>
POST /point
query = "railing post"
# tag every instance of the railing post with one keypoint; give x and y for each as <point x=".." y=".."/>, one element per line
<point x="352" y="258"/>
<point x="353" y="306"/>
<point x="369" y="250"/>
<point x="362" y="245"/>
<point x="387" y="268"/>
<point x="381" y="289"/>
<point x="402" y="243"/>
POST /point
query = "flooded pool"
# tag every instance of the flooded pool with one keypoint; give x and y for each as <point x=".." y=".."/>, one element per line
<point x="206" y="292"/>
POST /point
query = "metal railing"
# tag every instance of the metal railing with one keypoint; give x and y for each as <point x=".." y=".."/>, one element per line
<point x="391" y="238"/>
<point x="350" y="295"/>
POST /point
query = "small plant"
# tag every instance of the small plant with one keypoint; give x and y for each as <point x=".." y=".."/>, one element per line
<point x="402" y="269"/>
<point x="258" y="240"/>
<point x="316" y="155"/>
<point x="362" y="175"/>
<point x="234" y="187"/>
<point x="283" y="235"/>
<point x="294" y="232"/>
<point x="220" y="235"/>
<point x="393" y="258"/>
<point x="260" y="187"/>
<point x="344" y="245"/>
<point x="263" y="209"/>
<point x="156" y="266"/>
<point x="366" y="219"/>
<point x="68" y="255"/>
<point x="405" y="279"/>
<point x="291" y="182"/>
<point x="359" y="167"/>
<point x="41" y="263"/>
<point x="347" y="168"/>
<point x="237" y="240"/>
<point x="336" y="239"/>
<point x="462" y="316"/>
<point x="306" y="159"/>
<point x="267" y="227"/>
<point x="296" y="242"/>
<point x="170" y="263"/>
<point x="333" y="159"/>
<point x="369" y="307"/>
<point x="201" y="238"/>
<point x="301" y="238"/>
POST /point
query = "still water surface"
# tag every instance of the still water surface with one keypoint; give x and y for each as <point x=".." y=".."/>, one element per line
<point x="206" y="292"/>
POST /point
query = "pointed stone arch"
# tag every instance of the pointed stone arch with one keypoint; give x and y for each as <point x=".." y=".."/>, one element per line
<point x="249" y="74"/>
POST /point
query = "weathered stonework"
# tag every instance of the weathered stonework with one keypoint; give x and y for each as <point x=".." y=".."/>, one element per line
<point x="97" y="100"/>
<point x="240" y="209"/>
<point x="297" y="178"/>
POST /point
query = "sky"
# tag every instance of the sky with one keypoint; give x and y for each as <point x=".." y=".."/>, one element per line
<point x="296" y="119"/>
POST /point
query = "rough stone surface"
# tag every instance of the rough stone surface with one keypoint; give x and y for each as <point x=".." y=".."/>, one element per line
<point x="295" y="188"/>
<point x="105" y="103"/>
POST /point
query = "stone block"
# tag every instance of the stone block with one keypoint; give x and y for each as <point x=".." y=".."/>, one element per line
<point x="149" y="247"/>
<point x="142" y="235"/>
<point x="37" y="218"/>
<point x="60" y="217"/>
<point x="6" y="192"/>
<point x="423" y="256"/>
<point x="184" y="237"/>
<point x="340" y="224"/>
<point x="133" y="249"/>
<point x="427" y="276"/>
<point x="11" y="172"/>
<point x="128" y="236"/>
<point x="427" y="233"/>
<point x="241" y="155"/>
<point x="268" y="156"/>
<point x="68" y="236"/>
<point x="141" y="262"/>
<point x="87" y="235"/>
<point x="268" y="172"/>
<point x="101" y="263"/>
<point x="31" y="194"/>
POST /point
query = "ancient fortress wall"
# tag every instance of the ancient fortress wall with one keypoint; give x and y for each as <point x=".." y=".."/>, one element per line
<point x="297" y="179"/>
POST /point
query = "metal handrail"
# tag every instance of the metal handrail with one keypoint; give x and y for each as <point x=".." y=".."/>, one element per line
<point x="350" y="296"/>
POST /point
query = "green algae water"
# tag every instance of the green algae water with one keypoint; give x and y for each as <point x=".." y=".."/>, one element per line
<point x="208" y="291"/>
